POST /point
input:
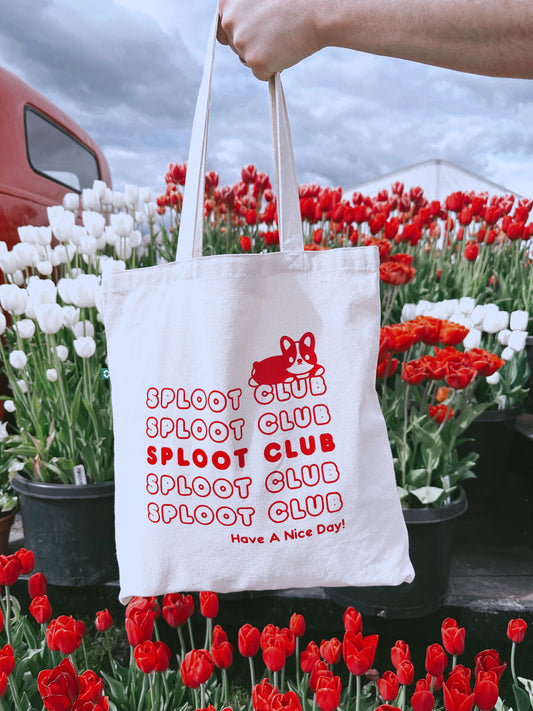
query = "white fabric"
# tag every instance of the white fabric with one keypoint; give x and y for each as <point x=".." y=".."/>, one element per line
<point x="250" y="449"/>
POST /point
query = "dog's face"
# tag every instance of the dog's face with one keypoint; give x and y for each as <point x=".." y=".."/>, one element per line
<point x="300" y="355"/>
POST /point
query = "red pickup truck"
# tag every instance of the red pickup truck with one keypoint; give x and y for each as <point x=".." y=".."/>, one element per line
<point x="43" y="155"/>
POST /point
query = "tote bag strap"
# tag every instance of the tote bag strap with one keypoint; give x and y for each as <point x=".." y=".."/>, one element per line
<point x="190" y="242"/>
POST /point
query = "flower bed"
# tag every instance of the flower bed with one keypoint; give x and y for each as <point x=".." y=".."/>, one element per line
<point x="43" y="661"/>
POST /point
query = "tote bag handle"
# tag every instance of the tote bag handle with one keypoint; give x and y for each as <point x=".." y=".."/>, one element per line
<point x="190" y="242"/>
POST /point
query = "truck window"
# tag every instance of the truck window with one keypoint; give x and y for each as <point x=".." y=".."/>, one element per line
<point x="56" y="154"/>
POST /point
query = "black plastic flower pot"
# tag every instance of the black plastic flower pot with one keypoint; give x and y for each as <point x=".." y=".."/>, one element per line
<point x="70" y="529"/>
<point x="431" y="533"/>
<point x="492" y="435"/>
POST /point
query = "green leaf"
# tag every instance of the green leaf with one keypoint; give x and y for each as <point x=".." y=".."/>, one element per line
<point x="427" y="494"/>
<point x="522" y="698"/>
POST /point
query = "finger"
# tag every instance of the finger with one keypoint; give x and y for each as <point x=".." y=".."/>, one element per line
<point x="222" y="37"/>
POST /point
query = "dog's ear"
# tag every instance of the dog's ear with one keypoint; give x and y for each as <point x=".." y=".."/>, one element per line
<point x="286" y="343"/>
<point x="308" y="340"/>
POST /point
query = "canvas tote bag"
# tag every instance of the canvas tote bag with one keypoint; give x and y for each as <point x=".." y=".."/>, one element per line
<point x="250" y="449"/>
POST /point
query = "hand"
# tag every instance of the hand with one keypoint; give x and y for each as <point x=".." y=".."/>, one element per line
<point x="269" y="35"/>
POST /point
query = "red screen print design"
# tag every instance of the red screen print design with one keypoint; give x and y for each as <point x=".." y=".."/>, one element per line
<point x="297" y="360"/>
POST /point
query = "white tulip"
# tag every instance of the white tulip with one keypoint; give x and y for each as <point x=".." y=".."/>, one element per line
<point x="141" y="218"/>
<point x="507" y="353"/>
<point x="25" y="328"/>
<point x="145" y="193"/>
<point x="108" y="264"/>
<point x="101" y="243"/>
<point x="408" y="312"/>
<point x="3" y="431"/>
<point x="18" y="359"/>
<point x="44" y="236"/>
<point x="49" y="317"/>
<point x="151" y="210"/>
<point x="99" y="188"/>
<point x="517" y="340"/>
<point x="9" y="406"/>
<point x="65" y="289"/>
<point x="423" y="308"/>
<point x="3" y="248"/>
<point x="119" y="203"/>
<point x="493" y="379"/>
<point x="51" y="375"/>
<point x="71" y="201"/>
<point x="94" y="223"/>
<point x="27" y="234"/>
<point x="83" y="328"/>
<point x="107" y="199"/>
<point x="3" y="323"/>
<point x="122" y="224"/>
<point x="495" y="320"/>
<point x="54" y="258"/>
<point x="18" y="278"/>
<point x="131" y="195"/>
<point x="13" y="299"/>
<point x="83" y="288"/>
<point x="90" y="199"/>
<point x="478" y="314"/>
<point x="466" y="305"/>
<point x="61" y="222"/>
<point x="503" y="336"/>
<point x="71" y="316"/>
<point x="22" y="386"/>
<point x="42" y="291"/>
<point x="45" y="268"/>
<point x="62" y="353"/>
<point x="443" y="309"/>
<point x="8" y="262"/>
<point x="472" y="339"/>
<point x="88" y="245"/>
<point x="85" y="346"/>
<point x="24" y="254"/>
<point x="519" y="320"/>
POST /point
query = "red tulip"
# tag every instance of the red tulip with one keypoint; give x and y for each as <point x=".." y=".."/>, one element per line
<point x="486" y="690"/>
<point x="489" y="660"/>
<point x="163" y="655"/>
<point x="218" y="635"/>
<point x="286" y="702"/>
<point x="436" y="660"/>
<point x="353" y="622"/>
<point x="196" y="668"/>
<point x="387" y="707"/>
<point x="144" y="604"/>
<point x="64" y="634"/>
<point x="26" y="559"/>
<point x="359" y="651"/>
<point x="328" y="692"/>
<point x="245" y="243"/>
<point x="457" y="694"/>
<point x="248" y="640"/>
<point x="222" y="654"/>
<point x="262" y="695"/>
<point x="308" y="657"/>
<point x="10" y="569"/>
<point x="37" y="585"/>
<point x="208" y="604"/>
<point x="422" y="699"/>
<point x="399" y="653"/>
<point x="297" y="625"/>
<point x="320" y="669"/>
<point x="7" y="659"/>
<point x="41" y="609"/>
<point x="274" y="656"/>
<point x="175" y="609"/>
<point x="139" y="626"/>
<point x="330" y="650"/>
<point x="91" y="688"/>
<point x="516" y="630"/>
<point x="59" y="686"/>
<point x="388" y="686"/>
<point x="103" y="620"/>
<point x="145" y="656"/>
<point x="453" y="636"/>
<point x="405" y="672"/>
<point x="287" y="640"/>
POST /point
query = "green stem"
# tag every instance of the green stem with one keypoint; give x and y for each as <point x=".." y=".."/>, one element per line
<point x="357" y="692"/>
<point x="252" y="675"/>
<point x="513" y="672"/>
<point x="143" y="692"/>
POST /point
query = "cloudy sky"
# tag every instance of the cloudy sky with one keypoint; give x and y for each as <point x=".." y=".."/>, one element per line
<point x="128" y="72"/>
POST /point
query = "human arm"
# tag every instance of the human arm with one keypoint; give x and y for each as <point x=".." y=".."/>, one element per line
<point x="491" y="37"/>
